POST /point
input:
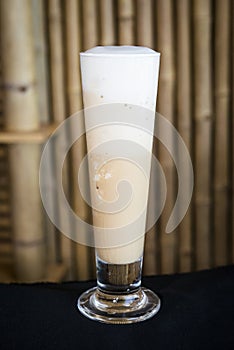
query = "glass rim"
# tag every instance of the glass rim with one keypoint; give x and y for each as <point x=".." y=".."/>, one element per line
<point x="150" y="53"/>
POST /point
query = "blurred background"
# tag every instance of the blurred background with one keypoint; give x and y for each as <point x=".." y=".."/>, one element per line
<point x="40" y="87"/>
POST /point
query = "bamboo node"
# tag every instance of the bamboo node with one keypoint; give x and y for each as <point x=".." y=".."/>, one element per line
<point x="18" y="87"/>
<point x="199" y="117"/>
<point x="123" y="18"/>
<point x="36" y="242"/>
<point x="222" y="93"/>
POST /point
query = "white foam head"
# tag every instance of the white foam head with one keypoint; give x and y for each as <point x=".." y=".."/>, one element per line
<point x="120" y="50"/>
<point x="115" y="74"/>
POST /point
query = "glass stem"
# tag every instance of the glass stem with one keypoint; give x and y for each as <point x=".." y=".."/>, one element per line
<point x="118" y="278"/>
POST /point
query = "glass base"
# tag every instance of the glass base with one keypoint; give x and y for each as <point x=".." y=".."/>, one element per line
<point x="119" y="308"/>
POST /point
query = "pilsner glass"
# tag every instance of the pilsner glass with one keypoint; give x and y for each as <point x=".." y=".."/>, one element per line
<point x="119" y="86"/>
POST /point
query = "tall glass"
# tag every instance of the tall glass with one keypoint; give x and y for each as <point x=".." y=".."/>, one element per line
<point x="119" y="86"/>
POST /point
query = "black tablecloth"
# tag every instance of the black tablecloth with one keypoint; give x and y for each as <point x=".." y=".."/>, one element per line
<point x="197" y="313"/>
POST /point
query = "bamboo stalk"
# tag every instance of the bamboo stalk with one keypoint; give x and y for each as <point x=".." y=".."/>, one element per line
<point x="6" y="271"/>
<point x="232" y="136"/>
<point x="1" y="102"/>
<point x="5" y="235"/>
<point x="125" y="22"/>
<point x="90" y="30"/>
<point x="28" y="228"/>
<point x="73" y="47"/>
<point x="4" y="208"/>
<point x="203" y="120"/>
<point x="59" y="114"/>
<point x="145" y="23"/>
<point x="4" y="195"/>
<point x="5" y="248"/>
<point x="151" y="247"/>
<point x="41" y="55"/>
<point x="5" y="222"/>
<point x="166" y="106"/>
<point x="2" y="152"/>
<point x="20" y="108"/>
<point x="145" y="38"/>
<point x="183" y="96"/>
<point x="107" y="22"/>
<point x="222" y="99"/>
<point x="56" y="60"/>
<point x="38" y="14"/>
<point x="4" y="181"/>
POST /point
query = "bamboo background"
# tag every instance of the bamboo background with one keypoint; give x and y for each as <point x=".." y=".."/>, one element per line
<point x="40" y="87"/>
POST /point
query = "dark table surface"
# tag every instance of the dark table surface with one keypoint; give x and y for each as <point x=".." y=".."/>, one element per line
<point x="197" y="313"/>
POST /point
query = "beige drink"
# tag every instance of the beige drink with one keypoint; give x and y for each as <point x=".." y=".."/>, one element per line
<point x="108" y="77"/>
